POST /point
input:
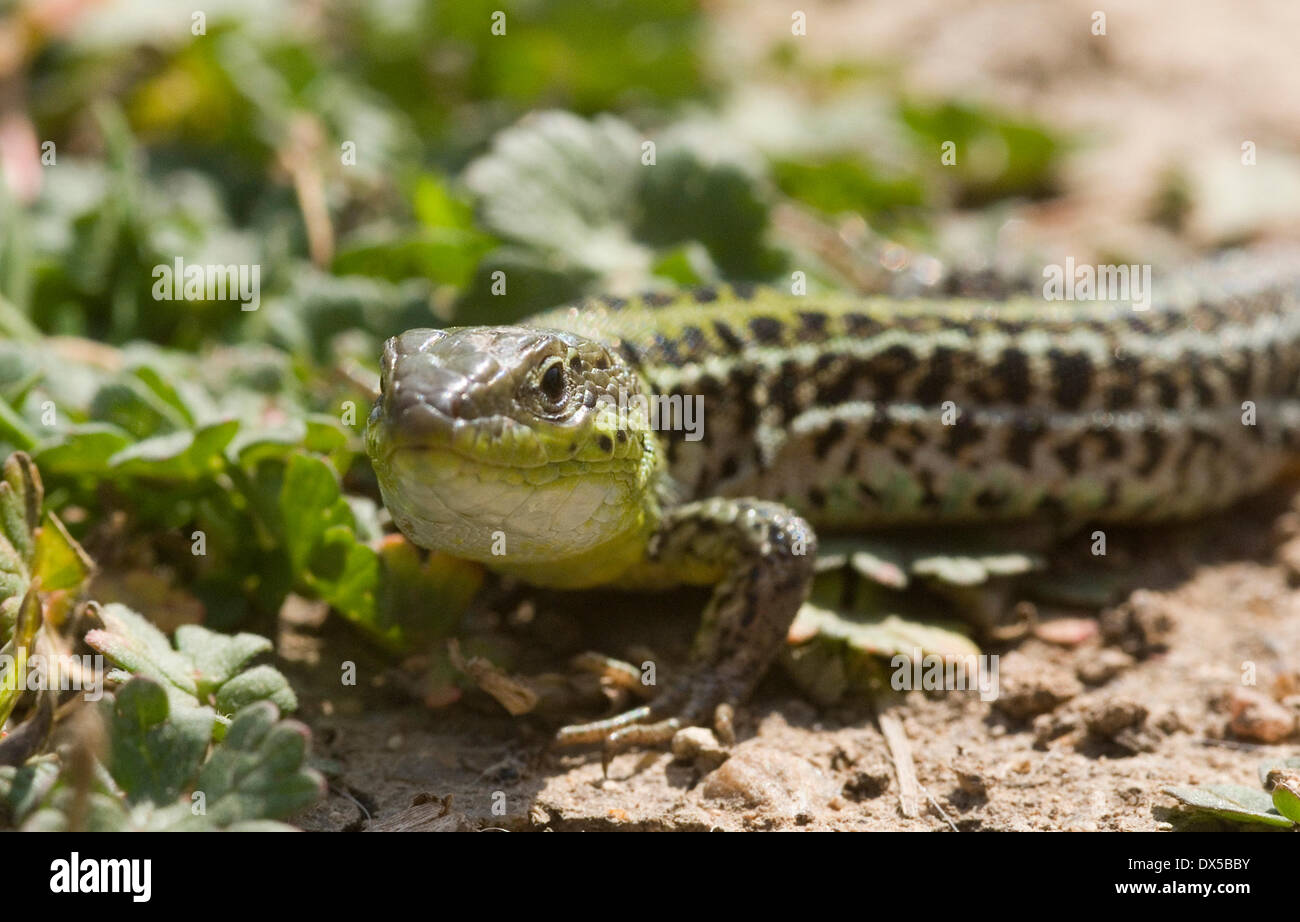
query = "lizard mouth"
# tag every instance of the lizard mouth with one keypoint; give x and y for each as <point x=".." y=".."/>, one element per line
<point x="494" y="514"/>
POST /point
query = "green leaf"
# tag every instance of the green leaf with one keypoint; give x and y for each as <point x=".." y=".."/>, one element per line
<point x="59" y="561"/>
<point x="156" y="750"/>
<point x="21" y="494"/>
<point x="14" y="429"/>
<point x="578" y="191"/>
<point x="422" y="597"/>
<point x="443" y="255"/>
<point x="315" y="433"/>
<point x="999" y="156"/>
<point x="81" y="449"/>
<point x="217" y="658"/>
<point x="129" y="404"/>
<point x="203" y="668"/>
<point x="850" y="185"/>
<point x="26" y="624"/>
<point x="132" y="641"/>
<point x="257" y="772"/>
<point x="24" y="787"/>
<point x="190" y="455"/>
<point x="261" y="683"/>
<point x="310" y="503"/>
<point x="160" y="385"/>
<point x="436" y="206"/>
<point x="1286" y="799"/>
<point x="565" y="186"/>
<point x="883" y="635"/>
<point x="345" y="572"/>
<point x="1234" y="802"/>
<point x="686" y="196"/>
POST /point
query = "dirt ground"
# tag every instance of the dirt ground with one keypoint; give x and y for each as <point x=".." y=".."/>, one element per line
<point x="1097" y="714"/>
<point x="1092" y="723"/>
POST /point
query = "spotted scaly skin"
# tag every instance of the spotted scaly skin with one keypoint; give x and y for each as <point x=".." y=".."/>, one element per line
<point x="847" y="414"/>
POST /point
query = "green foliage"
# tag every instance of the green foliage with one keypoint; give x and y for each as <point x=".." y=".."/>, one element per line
<point x="996" y="156"/>
<point x="204" y="669"/>
<point x="194" y="735"/>
<point x="845" y="185"/>
<point x="164" y="772"/>
<point x="598" y="214"/>
<point x="36" y="555"/>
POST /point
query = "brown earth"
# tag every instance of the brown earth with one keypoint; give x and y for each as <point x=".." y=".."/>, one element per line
<point x="1090" y="726"/>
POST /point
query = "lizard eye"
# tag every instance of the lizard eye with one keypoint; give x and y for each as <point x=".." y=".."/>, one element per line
<point x="552" y="383"/>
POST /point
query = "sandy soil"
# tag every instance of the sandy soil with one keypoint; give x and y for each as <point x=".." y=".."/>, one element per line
<point x="1091" y="725"/>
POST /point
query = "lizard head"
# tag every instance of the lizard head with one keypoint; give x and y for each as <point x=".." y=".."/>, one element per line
<point x="511" y="445"/>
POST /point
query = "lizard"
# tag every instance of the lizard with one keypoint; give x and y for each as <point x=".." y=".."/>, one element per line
<point x="837" y="414"/>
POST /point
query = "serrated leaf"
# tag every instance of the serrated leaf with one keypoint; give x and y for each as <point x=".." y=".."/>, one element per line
<point x="1234" y="802"/>
<point x="564" y="185"/>
<point x="156" y="750"/>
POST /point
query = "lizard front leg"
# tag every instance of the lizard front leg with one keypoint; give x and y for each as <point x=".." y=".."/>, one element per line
<point x="764" y="554"/>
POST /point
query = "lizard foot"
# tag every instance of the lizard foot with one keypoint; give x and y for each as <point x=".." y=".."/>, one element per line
<point x="766" y="556"/>
<point x="697" y="698"/>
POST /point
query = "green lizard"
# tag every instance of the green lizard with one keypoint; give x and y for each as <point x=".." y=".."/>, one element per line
<point x="846" y="414"/>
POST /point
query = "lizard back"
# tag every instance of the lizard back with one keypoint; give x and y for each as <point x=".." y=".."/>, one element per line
<point x="872" y="412"/>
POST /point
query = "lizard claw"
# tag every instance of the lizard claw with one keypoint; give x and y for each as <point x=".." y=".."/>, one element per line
<point x="690" y="701"/>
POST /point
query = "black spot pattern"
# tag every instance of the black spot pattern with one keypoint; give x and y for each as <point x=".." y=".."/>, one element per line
<point x="728" y="336"/>
<point x="931" y="389"/>
<point x="812" y="326"/>
<point x="766" y="330"/>
<point x="1072" y="374"/>
<point x="1012" y="371"/>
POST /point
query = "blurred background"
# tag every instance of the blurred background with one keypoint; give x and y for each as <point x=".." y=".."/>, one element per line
<point x="382" y="162"/>
<point x="472" y="151"/>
